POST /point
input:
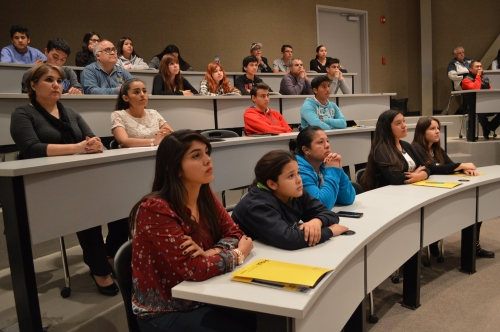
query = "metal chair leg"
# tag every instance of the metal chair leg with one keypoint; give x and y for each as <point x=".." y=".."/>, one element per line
<point x="427" y="262"/>
<point x="66" y="291"/>
<point x="372" y="318"/>
<point x="440" y="259"/>
<point x="449" y="102"/>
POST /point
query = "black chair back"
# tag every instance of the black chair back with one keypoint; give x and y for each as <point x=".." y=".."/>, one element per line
<point x="113" y="145"/>
<point x="359" y="174"/>
<point x="123" y="271"/>
<point x="219" y="133"/>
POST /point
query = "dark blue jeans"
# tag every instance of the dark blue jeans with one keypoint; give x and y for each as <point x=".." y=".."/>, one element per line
<point x="205" y="319"/>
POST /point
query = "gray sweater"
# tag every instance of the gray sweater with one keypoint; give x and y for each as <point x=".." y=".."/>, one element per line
<point x="32" y="132"/>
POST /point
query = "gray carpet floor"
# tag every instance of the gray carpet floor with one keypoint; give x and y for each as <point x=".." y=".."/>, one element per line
<point x="450" y="300"/>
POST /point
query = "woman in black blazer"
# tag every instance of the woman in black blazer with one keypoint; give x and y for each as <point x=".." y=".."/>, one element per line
<point x="391" y="160"/>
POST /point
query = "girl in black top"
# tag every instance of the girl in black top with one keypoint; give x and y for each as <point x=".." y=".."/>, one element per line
<point x="173" y="50"/>
<point x="318" y="64"/>
<point x="427" y="144"/>
<point x="391" y="160"/>
<point x="169" y="81"/>
<point x="86" y="55"/>
<point x="275" y="205"/>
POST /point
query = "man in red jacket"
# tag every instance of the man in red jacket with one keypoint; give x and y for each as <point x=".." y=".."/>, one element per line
<point x="475" y="80"/>
<point x="259" y="119"/>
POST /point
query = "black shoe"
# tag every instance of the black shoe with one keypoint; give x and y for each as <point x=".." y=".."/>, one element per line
<point x="434" y="249"/>
<point x="480" y="252"/>
<point x="110" y="290"/>
<point x="486" y="133"/>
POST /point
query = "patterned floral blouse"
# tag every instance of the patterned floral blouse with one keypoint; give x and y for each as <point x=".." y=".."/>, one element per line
<point x="158" y="263"/>
<point x="145" y="127"/>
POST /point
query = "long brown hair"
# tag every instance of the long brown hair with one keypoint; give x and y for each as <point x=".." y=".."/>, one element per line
<point x="214" y="86"/>
<point x="168" y="186"/>
<point x="419" y="139"/>
<point x="383" y="148"/>
<point x="165" y="73"/>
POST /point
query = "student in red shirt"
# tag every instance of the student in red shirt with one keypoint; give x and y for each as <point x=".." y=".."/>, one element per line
<point x="260" y="118"/>
<point x="475" y="80"/>
<point x="182" y="232"/>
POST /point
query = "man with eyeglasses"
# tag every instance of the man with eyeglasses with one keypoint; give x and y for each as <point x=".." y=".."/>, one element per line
<point x="104" y="77"/>
<point x="458" y="68"/>
<point x="334" y="73"/>
<point x="256" y="51"/>
<point x="283" y="64"/>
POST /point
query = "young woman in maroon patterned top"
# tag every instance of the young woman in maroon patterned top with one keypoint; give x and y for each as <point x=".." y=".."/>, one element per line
<point x="182" y="232"/>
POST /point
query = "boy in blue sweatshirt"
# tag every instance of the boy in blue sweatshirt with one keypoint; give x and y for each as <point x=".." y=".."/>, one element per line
<point x="319" y="111"/>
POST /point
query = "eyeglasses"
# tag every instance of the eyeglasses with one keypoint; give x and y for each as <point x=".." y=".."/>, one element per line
<point x="95" y="40"/>
<point x="109" y="50"/>
<point x="256" y="49"/>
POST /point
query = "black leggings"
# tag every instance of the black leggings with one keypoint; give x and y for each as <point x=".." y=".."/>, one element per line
<point x="96" y="252"/>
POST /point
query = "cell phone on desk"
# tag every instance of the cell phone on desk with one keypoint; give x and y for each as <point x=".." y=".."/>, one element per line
<point x="350" y="214"/>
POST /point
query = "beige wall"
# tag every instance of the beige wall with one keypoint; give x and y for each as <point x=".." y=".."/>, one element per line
<point x="227" y="28"/>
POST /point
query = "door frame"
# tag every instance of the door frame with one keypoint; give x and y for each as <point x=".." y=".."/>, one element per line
<point x="363" y="19"/>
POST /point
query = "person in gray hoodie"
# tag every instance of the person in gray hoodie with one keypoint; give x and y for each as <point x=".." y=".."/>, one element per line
<point x="127" y="57"/>
<point x="319" y="111"/>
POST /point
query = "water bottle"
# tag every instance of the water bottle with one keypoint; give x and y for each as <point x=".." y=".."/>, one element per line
<point x="217" y="59"/>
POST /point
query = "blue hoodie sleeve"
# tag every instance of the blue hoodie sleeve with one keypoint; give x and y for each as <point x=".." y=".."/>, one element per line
<point x="336" y="187"/>
<point x="309" y="114"/>
<point x="338" y="121"/>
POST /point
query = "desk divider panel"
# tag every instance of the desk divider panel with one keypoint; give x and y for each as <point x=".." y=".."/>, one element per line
<point x="96" y="112"/>
<point x="354" y="147"/>
<point x="125" y="181"/>
<point x="8" y="106"/>
<point x="234" y="165"/>
<point x="11" y="76"/>
<point x="488" y="102"/>
<point x="392" y="248"/>
<point x="363" y="107"/>
<point x="196" y="114"/>
<point x="340" y="299"/>
<point x="462" y="206"/>
<point x="291" y="108"/>
<point x="488" y="202"/>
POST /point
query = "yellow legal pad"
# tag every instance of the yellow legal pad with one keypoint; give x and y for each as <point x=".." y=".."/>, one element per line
<point x="286" y="274"/>
<point x="437" y="184"/>
<point x="462" y="175"/>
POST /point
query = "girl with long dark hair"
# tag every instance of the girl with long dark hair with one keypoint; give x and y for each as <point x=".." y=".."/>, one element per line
<point x="170" y="81"/>
<point x="392" y="160"/>
<point x="131" y="123"/>
<point x="182" y="232"/>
